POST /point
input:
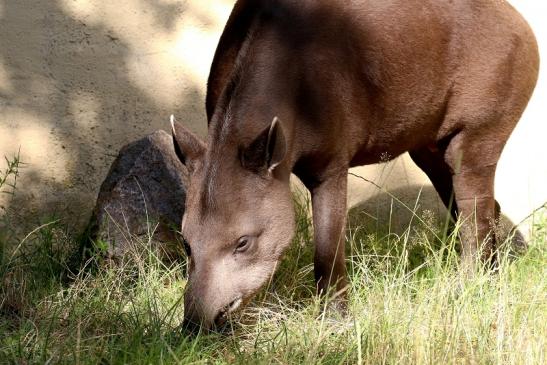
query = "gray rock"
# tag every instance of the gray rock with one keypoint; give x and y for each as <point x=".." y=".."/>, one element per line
<point x="142" y="199"/>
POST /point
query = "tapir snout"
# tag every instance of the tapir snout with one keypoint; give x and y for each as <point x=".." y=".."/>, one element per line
<point x="208" y="313"/>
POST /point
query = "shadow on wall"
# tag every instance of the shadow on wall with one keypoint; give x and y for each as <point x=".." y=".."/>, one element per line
<point x="395" y="210"/>
<point x="69" y="98"/>
<point x="413" y="206"/>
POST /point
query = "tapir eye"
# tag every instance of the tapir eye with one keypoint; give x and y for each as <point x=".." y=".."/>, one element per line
<point x="186" y="247"/>
<point x="243" y="244"/>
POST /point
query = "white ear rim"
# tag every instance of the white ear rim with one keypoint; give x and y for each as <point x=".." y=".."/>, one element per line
<point x="274" y="124"/>
<point x="172" y="120"/>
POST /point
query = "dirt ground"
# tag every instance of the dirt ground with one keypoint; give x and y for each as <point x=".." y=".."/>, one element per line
<point x="81" y="78"/>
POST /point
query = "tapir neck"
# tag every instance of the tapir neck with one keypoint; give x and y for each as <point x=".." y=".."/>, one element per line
<point x="260" y="89"/>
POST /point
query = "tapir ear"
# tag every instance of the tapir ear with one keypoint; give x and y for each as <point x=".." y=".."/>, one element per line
<point x="188" y="147"/>
<point x="267" y="151"/>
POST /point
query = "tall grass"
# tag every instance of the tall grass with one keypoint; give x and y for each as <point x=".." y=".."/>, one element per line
<point x="409" y="304"/>
<point x="8" y="182"/>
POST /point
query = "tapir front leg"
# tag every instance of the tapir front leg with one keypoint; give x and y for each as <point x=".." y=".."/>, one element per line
<point x="329" y="221"/>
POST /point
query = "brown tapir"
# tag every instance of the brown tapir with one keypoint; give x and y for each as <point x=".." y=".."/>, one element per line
<point x="314" y="87"/>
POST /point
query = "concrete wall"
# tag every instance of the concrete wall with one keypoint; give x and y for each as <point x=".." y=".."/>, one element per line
<point x="80" y="78"/>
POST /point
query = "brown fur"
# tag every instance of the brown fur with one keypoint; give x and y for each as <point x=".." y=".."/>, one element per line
<point x="351" y="82"/>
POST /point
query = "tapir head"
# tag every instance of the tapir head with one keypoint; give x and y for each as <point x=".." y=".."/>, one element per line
<point x="239" y="219"/>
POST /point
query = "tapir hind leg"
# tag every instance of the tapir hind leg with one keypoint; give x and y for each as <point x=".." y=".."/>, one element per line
<point x="432" y="162"/>
<point x="473" y="156"/>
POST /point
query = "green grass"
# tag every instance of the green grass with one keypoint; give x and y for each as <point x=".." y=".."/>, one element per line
<point x="409" y="304"/>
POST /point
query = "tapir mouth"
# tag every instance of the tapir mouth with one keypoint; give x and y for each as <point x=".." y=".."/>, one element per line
<point x="235" y="305"/>
<point x="222" y="321"/>
<point x="225" y="313"/>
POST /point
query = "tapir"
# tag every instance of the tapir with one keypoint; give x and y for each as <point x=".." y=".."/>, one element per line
<point x="314" y="87"/>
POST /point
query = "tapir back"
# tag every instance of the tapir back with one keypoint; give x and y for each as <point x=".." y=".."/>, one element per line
<point x="382" y="77"/>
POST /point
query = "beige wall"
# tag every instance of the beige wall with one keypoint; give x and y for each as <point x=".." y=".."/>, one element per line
<point x="80" y="78"/>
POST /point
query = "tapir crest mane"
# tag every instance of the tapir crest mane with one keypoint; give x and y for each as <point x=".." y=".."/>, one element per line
<point x="221" y="147"/>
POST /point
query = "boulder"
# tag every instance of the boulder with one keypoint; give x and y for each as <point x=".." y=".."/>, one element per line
<point x="141" y="201"/>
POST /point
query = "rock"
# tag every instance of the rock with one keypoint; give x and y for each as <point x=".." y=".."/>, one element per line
<point x="142" y="198"/>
